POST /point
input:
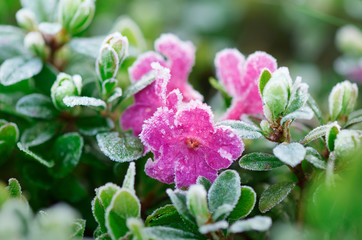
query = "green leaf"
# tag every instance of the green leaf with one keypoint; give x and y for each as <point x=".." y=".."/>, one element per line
<point x="245" y="204"/>
<point x="17" y="69"/>
<point x="44" y="10"/>
<point x="275" y="97"/>
<point x="274" y="195"/>
<point x="197" y="204"/>
<point x="257" y="223"/>
<point x="11" y="42"/>
<point x="218" y="86"/>
<point x="137" y="86"/>
<point x="124" y="205"/>
<point x="303" y="113"/>
<point x="14" y="188"/>
<point x="263" y="80"/>
<point x="9" y="134"/>
<point x="33" y="155"/>
<point x="72" y="101"/>
<point x="178" y="200"/>
<point x="314" y="106"/>
<point x="128" y="182"/>
<point x="315" y="158"/>
<point x="331" y="135"/>
<point x="166" y="216"/>
<point x="120" y="149"/>
<point x="316" y="133"/>
<point x="260" y="162"/>
<point x="213" y="227"/>
<point x="91" y="126"/>
<point x="298" y="96"/>
<point x="87" y="46"/>
<point x="354" y="118"/>
<point x="242" y="129"/>
<point x="78" y="228"/>
<point x="67" y="152"/>
<point x="37" y="106"/>
<point x="225" y="191"/>
<point x="291" y="154"/>
<point x="204" y="182"/>
<point x="101" y="202"/>
<point x="39" y="133"/>
<point x="167" y="233"/>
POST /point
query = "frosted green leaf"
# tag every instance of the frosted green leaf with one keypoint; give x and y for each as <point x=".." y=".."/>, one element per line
<point x="14" y="188"/>
<point x="9" y="134"/>
<point x="315" y="158"/>
<point x="128" y="182"/>
<point x="257" y="223"/>
<point x="11" y="42"/>
<point x="167" y="233"/>
<point x="72" y="101"/>
<point x="40" y="133"/>
<point x="291" y="154"/>
<point x="50" y="28"/>
<point x="242" y="129"/>
<point x="87" y="46"/>
<point x="33" y="155"/>
<point x="213" y="227"/>
<point x="204" y="182"/>
<point x="354" y="117"/>
<point x="245" y="204"/>
<point x="225" y="191"/>
<point x="314" y="106"/>
<point x="37" y="106"/>
<point x="260" y="162"/>
<point x="165" y="216"/>
<point x="303" y="113"/>
<point x="331" y="135"/>
<point x="17" y="69"/>
<point x="263" y="80"/>
<point x="298" y="96"/>
<point x="124" y="205"/>
<point x="178" y="199"/>
<point x="123" y="148"/>
<point x="274" y="195"/>
<point x="196" y="202"/>
<point x="316" y="133"/>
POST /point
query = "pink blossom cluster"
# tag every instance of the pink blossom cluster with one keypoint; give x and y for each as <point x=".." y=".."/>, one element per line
<point x="173" y="123"/>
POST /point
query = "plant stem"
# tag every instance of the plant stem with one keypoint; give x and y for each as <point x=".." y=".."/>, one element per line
<point x="299" y="173"/>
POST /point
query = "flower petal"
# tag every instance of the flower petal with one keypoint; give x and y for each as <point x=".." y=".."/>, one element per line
<point x="163" y="168"/>
<point x="135" y="115"/>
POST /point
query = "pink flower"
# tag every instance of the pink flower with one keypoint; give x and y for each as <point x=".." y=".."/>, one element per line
<point x="186" y="143"/>
<point x="240" y="79"/>
<point x="180" y="57"/>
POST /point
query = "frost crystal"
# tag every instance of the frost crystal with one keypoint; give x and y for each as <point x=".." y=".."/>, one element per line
<point x="240" y="78"/>
<point x="180" y="59"/>
<point x="186" y="143"/>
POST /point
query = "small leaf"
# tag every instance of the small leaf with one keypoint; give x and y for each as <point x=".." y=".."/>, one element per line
<point x="33" y="155"/>
<point x="354" y="118"/>
<point x="197" y="204"/>
<point x="9" y="134"/>
<point x="67" y="152"/>
<point x="124" y="205"/>
<point x="315" y="134"/>
<point x="263" y="80"/>
<point x="178" y="199"/>
<point x="91" y="126"/>
<point x="204" y="182"/>
<point x="315" y="158"/>
<point x="50" y="28"/>
<point x="260" y="162"/>
<point x="37" y="106"/>
<point x="291" y="154"/>
<point x="78" y="228"/>
<point x="117" y="93"/>
<point x="72" y="101"/>
<point x="120" y="149"/>
<point x="314" y="106"/>
<point x="245" y="204"/>
<point x="17" y="69"/>
<point x="257" y="223"/>
<point x="39" y="133"/>
<point x="14" y="188"/>
<point x="274" y="195"/>
<point x="138" y="86"/>
<point x="101" y="202"/>
<point x="217" y="85"/>
<point x="242" y="129"/>
<point x="331" y="135"/>
<point x="302" y="113"/>
<point x="166" y="216"/>
<point x="167" y="233"/>
<point x="128" y="182"/>
<point x="298" y="96"/>
<point x="224" y="191"/>
<point x="213" y="227"/>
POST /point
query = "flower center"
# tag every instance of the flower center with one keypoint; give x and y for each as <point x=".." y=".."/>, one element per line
<point x="192" y="143"/>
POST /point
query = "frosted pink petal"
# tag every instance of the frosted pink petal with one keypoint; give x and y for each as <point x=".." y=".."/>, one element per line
<point x="142" y="65"/>
<point x="224" y="148"/>
<point x="135" y="115"/>
<point x="229" y="66"/>
<point x="188" y="169"/>
<point x="162" y="168"/>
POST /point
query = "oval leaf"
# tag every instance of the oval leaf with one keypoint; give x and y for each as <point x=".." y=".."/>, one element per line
<point x="274" y="195"/>
<point x="35" y="156"/>
<point x="242" y="129"/>
<point x="120" y="149"/>
<point x="257" y="223"/>
<point x="260" y="162"/>
<point x="17" y="69"/>
<point x="36" y="106"/>
<point x="245" y="204"/>
<point x="39" y="133"/>
<point x="291" y="154"/>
